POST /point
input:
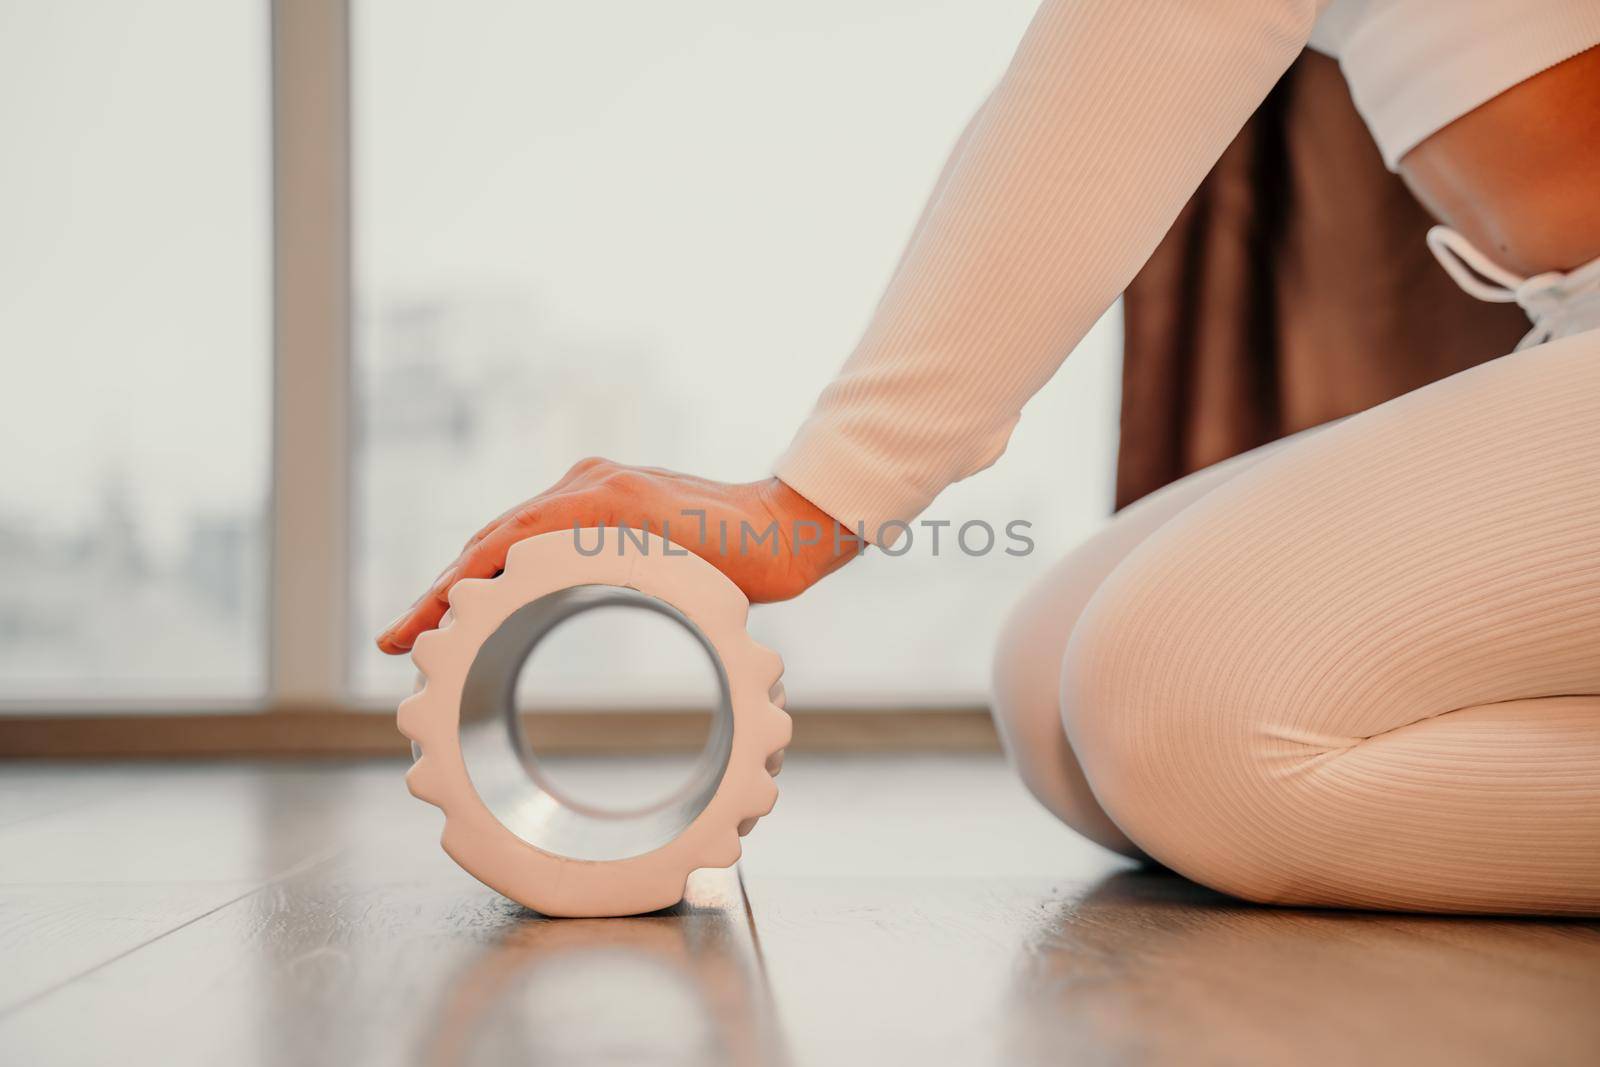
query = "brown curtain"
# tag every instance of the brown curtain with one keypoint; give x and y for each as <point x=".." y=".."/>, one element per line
<point x="1294" y="288"/>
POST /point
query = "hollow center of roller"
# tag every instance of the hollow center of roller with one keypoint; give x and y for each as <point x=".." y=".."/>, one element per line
<point x="571" y="810"/>
<point x="620" y="666"/>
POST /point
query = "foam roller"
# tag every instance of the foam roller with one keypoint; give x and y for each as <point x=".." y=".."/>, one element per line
<point x="505" y="822"/>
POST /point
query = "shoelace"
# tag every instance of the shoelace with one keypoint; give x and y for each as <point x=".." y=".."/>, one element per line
<point x="1559" y="304"/>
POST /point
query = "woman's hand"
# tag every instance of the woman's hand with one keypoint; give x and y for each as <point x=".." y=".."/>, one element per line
<point x="726" y="524"/>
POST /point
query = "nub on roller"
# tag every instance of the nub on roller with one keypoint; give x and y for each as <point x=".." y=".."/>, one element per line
<point x="505" y="823"/>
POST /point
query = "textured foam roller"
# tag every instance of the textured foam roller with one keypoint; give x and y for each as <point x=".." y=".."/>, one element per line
<point x="505" y="823"/>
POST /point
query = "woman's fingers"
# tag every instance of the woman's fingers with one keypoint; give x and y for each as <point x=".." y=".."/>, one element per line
<point x="577" y="477"/>
<point x="488" y="528"/>
<point x="487" y="558"/>
<point x="419" y="617"/>
<point x="484" y="557"/>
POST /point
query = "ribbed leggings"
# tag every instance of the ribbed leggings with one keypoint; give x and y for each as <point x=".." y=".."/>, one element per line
<point x="1359" y="667"/>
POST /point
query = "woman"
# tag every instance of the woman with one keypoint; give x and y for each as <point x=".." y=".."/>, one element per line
<point x="1357" y="667"/>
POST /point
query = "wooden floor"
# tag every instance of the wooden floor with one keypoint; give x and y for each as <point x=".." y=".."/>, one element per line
<point x="892" y="910"/>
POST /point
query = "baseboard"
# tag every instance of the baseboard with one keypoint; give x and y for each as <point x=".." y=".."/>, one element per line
<point x="348" y="734"/>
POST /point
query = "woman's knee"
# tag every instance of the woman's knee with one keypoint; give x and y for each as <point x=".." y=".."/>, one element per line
<point x="1025" y="697"/>
<point x="1029" y="698"/>
<point x="1164" y="721"/>
<point x="1241" y="772"/>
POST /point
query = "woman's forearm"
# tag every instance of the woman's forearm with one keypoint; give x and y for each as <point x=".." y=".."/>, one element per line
<point x="1107" y="119"/>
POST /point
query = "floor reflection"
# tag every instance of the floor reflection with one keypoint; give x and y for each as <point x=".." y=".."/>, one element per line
<point x="375" y="947"/>
<point x="1156" y="967"/>
<point x="681" y="986"/>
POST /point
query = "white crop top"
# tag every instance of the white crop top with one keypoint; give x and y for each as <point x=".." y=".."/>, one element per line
<point x="1416" y="65"/>
<point x="1109" y="116"/>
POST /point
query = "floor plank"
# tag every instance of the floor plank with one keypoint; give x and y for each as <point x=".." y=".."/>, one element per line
<point x="28" y="790"/>
<point x="909" y="912"/>
<point x="198" y="823"/>
<point x="53" y="934"/>
<point x="1145" y="968"/>
<point x="905" y="910"/>
<point x="377" y="949"/>
<point x="116" y="857"/>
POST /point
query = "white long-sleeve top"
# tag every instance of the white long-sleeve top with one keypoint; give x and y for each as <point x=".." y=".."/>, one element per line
<point x="1109" y="116"/>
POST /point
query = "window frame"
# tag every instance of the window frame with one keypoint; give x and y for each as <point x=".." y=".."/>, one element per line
<point x="309" y="504"/>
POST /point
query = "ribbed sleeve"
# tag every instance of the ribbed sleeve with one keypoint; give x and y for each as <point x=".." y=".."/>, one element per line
<point x="1106" y="121"/>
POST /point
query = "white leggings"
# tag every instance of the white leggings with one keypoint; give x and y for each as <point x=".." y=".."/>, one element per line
<point x="1358" y="668"/>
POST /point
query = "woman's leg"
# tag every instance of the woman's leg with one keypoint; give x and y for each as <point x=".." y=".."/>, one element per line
<point x="1366" y="672"/>
<point x="1027" y="667"/>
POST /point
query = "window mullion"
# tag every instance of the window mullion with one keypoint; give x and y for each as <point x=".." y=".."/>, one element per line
<point x="310" y="522"/>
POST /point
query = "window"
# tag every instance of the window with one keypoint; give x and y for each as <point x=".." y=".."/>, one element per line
<point x="638" y="230"/>
<point x="134" y="280"/>
<point x="652" y="232"/>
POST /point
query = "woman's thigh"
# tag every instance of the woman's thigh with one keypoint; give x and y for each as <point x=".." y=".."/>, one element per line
<point x="1026" y="685"/>
<point x="1364" y="672"/>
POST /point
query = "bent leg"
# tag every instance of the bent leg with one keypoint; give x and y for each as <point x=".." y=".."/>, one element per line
<point x="1366" y="672"/>
<point x="1026" y="689"/>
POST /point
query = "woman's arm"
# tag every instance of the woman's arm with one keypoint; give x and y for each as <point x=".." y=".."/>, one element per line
<point x="1061" y="186"/>
<point x="1108" y="118"/>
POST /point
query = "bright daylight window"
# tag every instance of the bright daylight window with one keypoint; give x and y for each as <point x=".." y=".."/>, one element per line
<point x="652" y="232"/>
<point x="134" y="332"/>
<point x="645" y="231"/>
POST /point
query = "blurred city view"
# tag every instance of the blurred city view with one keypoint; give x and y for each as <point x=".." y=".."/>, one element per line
<point x="99" y="609"/>
<point x="649" y="232"/>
